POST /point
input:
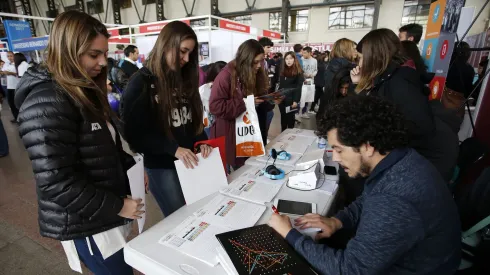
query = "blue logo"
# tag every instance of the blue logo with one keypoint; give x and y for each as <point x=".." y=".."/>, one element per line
<point x="437" y="10"/>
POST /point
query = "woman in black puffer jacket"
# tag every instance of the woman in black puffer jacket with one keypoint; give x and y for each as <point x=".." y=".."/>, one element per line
<point x="383" y="71"/>
<point x="78" y="161"/>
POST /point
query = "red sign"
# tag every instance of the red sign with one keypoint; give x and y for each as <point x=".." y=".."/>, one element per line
<point x="115" y="32"/>
<point x="225" y="24"/>
<point x="444" y="49"/>
<point x="436" y="87"/>
<point x="157" y="27"/>
<point x="271" y="34"/>
<point x="288" y="47"/>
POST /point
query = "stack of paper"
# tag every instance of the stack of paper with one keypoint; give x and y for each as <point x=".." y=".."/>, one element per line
<point x="196" y="235"/>
<point x="252" y="190"/>
<point x="302" y="132"/>
<point x="136" y="177"/>
<point x="293" y="143"/>
<point x="196" y="238"/>
<point x="225" y="261"/>
<point x="230" y="212"/>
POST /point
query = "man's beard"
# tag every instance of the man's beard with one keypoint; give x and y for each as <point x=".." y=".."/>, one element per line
<point x="364" y="170"/>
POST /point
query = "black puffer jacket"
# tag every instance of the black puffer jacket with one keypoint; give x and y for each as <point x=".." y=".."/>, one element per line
<point x="80" y="172"/>
<point x="429" y="135"/>
<point x="334" y="66"/>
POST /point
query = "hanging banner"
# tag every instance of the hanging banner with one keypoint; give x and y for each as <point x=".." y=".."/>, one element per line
<point x="439" y="41"/>
<point x="271" y="34"/>
<point x="16" y="30"/>
<point x="225" y="24"/>
<point x="434" y="22"/>
<point x="288" y="47"/>
<point x="157" y="27"/>
<point x="115" y="32"/>
<point x="30" y="44"/>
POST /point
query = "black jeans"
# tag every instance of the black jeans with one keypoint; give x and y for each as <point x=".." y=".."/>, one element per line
<point x="287" y="119"/>
<point x="318" y="95"/>
<point x="10" y="97"/>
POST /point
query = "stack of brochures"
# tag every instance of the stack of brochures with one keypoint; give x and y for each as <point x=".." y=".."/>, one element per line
<point x="240" y="205"/>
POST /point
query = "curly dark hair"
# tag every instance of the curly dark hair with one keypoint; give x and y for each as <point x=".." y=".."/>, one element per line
<point x="362" y="119"/>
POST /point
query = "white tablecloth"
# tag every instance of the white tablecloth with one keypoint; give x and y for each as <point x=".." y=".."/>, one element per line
<point x="145" y="254"/>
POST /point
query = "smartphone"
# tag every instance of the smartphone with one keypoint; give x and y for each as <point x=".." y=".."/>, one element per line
<point x="294" y="207"/>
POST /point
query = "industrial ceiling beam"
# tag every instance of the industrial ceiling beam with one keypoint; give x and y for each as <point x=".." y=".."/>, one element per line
<point x="303" y="6"/>
<point x="214" y="8"/>
<point x="160" y="10"/>
<point x="189" y="14"/>
<point x="116" y="12"/>
<point x="80" y="5"/>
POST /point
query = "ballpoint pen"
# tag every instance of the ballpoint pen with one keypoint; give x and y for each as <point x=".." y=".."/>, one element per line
<point x="274" y="209"/>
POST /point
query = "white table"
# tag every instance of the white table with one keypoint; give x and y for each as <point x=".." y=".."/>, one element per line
<point x="145" y="254"/>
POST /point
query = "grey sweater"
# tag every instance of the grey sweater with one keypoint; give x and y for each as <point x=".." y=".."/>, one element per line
<point x="406" y="221"/>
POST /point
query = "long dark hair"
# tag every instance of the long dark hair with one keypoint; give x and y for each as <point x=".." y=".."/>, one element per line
<point x="411" y="50"/>
<point x="171" y="87"/>
<point x="18" y="59"/>
<point x="379" y="48"/>
<point x="213" y="70"/>
<point x="253" y="83"/>
<point x="340" y="78"/>
<point x="71" y="36"/>
<point x="294" y="69"/>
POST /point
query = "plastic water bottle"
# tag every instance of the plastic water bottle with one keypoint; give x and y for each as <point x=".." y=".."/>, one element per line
<point x="322" y="143"/>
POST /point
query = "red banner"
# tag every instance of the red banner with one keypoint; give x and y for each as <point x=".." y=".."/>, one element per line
<point x="157" y="27"/>
<point x="225" y="24"/>
<point x="288" y="47"/>
<point x="271" y="34"/>
<point x="115" y="32"/>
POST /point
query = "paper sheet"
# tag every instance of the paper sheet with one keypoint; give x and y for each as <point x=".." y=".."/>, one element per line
<point x="196" y="238"/>
<point x="136" y="176"/>
<point x="302" y="132"/>
<point x="225" y="261"/>
<point x="252" y="190"/>
<point x="231" y="212"/>
<point x="205" y="179"/>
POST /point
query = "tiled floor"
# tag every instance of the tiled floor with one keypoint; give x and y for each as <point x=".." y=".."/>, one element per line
<point x="22" y="250"/>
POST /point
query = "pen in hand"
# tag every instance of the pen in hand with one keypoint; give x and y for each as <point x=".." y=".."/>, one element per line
<point x="274" y="209"/>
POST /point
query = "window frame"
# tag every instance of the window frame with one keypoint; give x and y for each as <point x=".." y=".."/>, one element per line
<point x="301" y="25"/>
<point x="241" y="20"/>
<point x="421" y="15"/>
<point x="344" y="11"/>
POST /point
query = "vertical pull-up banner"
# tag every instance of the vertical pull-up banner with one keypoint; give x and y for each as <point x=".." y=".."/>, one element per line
<point x="439" y="41"/>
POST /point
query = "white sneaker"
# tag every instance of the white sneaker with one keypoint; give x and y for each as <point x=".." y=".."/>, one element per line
<point x="312" y="112"/>
<point x="297" y="116"/>
<point x="305" y="115"/>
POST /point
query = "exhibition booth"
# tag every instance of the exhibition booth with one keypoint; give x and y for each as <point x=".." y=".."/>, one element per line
<point x="219" y="38"/>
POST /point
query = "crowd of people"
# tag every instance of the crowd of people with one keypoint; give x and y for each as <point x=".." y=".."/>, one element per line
<point x="396" y="149"/>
